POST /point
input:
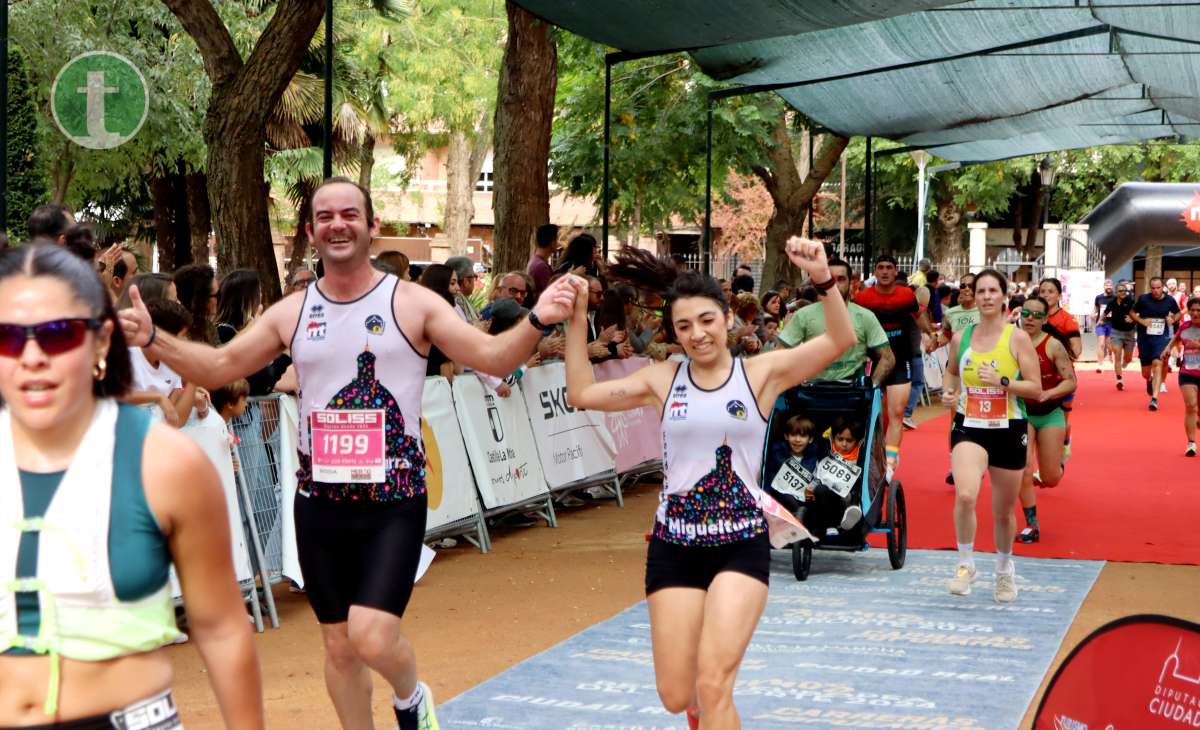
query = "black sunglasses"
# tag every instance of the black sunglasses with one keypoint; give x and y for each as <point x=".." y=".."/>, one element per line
<point x="54" y="337"/>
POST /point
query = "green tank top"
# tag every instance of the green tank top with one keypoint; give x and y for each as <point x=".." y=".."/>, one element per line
<point x="138" y="555"/>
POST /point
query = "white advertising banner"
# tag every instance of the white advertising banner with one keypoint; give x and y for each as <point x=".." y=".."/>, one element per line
<point x="1080" y="289"/>
<point x="448" y="477"/>
<point x="499" y="442"/>
<point x="211" y="435"/>
<point x="289" y="464"/>
<point x="635" y="433"/>
<point x="935" y="368"/>
<point x="573" y="444"/>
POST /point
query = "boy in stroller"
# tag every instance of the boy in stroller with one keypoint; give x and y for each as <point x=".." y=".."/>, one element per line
<point x="816" y="478"/>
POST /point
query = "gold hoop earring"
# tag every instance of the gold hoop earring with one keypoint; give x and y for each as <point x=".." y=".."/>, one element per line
<point x="101" y="368"/>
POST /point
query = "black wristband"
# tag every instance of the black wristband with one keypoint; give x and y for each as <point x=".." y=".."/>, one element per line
<point x="825" y="285"/>
<point x="537" y="323"/>
<point x="153" y="334"/>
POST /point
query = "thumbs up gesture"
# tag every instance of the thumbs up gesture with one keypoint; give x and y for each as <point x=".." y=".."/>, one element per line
<point x="135" y="320"/>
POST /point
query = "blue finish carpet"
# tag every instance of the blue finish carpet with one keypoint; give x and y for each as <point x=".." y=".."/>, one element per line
<point x="857" y="645"/>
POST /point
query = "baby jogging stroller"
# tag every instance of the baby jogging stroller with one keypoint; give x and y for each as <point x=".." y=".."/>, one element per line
<point x="861" y="481"/>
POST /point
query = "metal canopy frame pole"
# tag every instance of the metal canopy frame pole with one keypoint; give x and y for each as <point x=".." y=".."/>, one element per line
<point x="706" y="239"/>
<point x="327" y="125"/>
<point x="608" y="64"/>
<point x="868" y="193"/>
<point x="4" y="115"/>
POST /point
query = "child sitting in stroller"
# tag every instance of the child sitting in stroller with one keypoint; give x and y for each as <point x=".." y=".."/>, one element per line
<point x="816" y="480"/>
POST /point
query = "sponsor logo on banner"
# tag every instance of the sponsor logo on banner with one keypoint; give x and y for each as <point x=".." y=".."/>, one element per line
<point x="737" y="409"/>
<point x="315" y="331"/>
<point x="375" y="324"/>
<point x="1191" y="214"/>
<point x="494" y="419"/>
<point x="554" y="403"/>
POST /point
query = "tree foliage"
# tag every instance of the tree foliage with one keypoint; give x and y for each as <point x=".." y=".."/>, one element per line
<point x="26" y="182"/>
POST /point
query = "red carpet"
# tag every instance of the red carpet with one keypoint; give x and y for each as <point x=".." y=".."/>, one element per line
<point x="1129" y="493"/>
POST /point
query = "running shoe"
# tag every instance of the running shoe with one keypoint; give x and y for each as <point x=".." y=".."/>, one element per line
<point x="1154" y="404"/>
<point x="1120" y="384"/>
<point x="693" y="718"/>
<point x="891" y="463"/>
<point x="1191" y="449"/>
<point x="421" y="716"/>
<point x="1162" y="388"/>
<point x="909" y="424"/>
<point x="851" y="517"/>
<point x="1030" y="534"/>
<point x="964" y="576"/>
<point x="1099" y="369"/>
<point x="1006" y="587"/>
<point x="950" y="478"/>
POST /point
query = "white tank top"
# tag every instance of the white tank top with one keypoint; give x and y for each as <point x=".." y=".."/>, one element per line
<point x="712" y="455"/>
<point x="354" y="356"/>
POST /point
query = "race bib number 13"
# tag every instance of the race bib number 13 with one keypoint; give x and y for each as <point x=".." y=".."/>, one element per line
<point x="986" y="408"/>
<point x="348" y="446"/>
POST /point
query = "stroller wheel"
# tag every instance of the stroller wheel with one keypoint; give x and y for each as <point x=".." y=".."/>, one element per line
<point x="897" y="516"/>
<point x="801" y="559"/>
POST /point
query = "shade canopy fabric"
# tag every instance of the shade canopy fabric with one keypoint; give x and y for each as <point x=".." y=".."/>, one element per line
<point x="968" y="81"/>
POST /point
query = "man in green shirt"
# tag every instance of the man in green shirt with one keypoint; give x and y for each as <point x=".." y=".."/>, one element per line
<point x="959" y="317"/>
<point x="809" y="323"/>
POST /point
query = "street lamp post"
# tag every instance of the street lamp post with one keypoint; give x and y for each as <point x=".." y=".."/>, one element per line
<point x="1046" y="171"/>
<point x="921" y="157"/>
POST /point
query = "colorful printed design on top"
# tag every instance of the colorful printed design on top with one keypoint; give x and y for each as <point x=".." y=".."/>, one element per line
<point x="717" y="511"/>
<point x="405" y="460"/>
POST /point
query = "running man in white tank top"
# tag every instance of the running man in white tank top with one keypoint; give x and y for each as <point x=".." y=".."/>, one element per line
<point x="359" y="339"/>
<point x="708" y="561"/>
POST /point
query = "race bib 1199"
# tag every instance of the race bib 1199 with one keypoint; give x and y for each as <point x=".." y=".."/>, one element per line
<point x="348" y="446"/>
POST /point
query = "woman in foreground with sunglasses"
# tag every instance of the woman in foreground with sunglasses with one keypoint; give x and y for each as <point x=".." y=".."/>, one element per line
<point x="992" y="367"/>
<point x="95" y="504"/>
<point x="1047" y="421"/>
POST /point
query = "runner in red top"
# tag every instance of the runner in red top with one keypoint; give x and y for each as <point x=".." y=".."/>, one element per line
<point x="1188" y="335"/>
<point x="897" y="310"/>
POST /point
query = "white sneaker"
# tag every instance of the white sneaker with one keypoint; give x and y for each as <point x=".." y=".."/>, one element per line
<point x="909" y="424"/>
<point x="1162" y="388"/>
<point x="1006" y="587"/>
<point x="851" y="517"/>
<point x="964" y="576"/>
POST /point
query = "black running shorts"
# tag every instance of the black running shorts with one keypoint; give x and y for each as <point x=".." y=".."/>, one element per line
<point x="670" y="565"/>
<point x="1006" y="447"/>
<point x="1187" y="379"/>
<point x="901" y="374"/>
<point x="359" y="553"/>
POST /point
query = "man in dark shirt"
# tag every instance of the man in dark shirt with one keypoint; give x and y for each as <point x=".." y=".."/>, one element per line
<point x="1154" y="313"/>
<point x="1117" y="315"/>
<point x="1103" y="329"/>
<point x="544" y="245"/>
<point x="898" y="312"/>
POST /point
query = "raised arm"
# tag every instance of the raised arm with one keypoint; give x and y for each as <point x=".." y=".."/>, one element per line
<point x="207" y="366"/>
<point x="774" y="372"/>
<point x="631" y="391"/>
<point x="495" y="354"/>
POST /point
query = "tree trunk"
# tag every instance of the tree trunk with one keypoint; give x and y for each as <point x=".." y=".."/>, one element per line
<point x="791" y="196"/>
<point x="1035" y="221"/>
<point x="299" y="253"/>
<point x="164" y="227"/>
<point x="366" y="160"/>
<point x="63" y="172"/>
<point x="244" y="94"/>
<point x="635" y="225"/>
<point x="1153" y="265"/>
<point x="460" y="192"/>
<point x="199" y="216"/>
<point x="524" y="112"/>
<point x="947" y="239"/>
<point x="180" y="218"/>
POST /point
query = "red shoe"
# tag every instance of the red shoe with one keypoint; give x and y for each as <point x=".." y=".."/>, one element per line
<point x="693" y="719"/>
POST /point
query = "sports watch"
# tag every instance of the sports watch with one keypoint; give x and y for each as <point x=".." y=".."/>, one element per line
<point x="1004" y="381"/>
